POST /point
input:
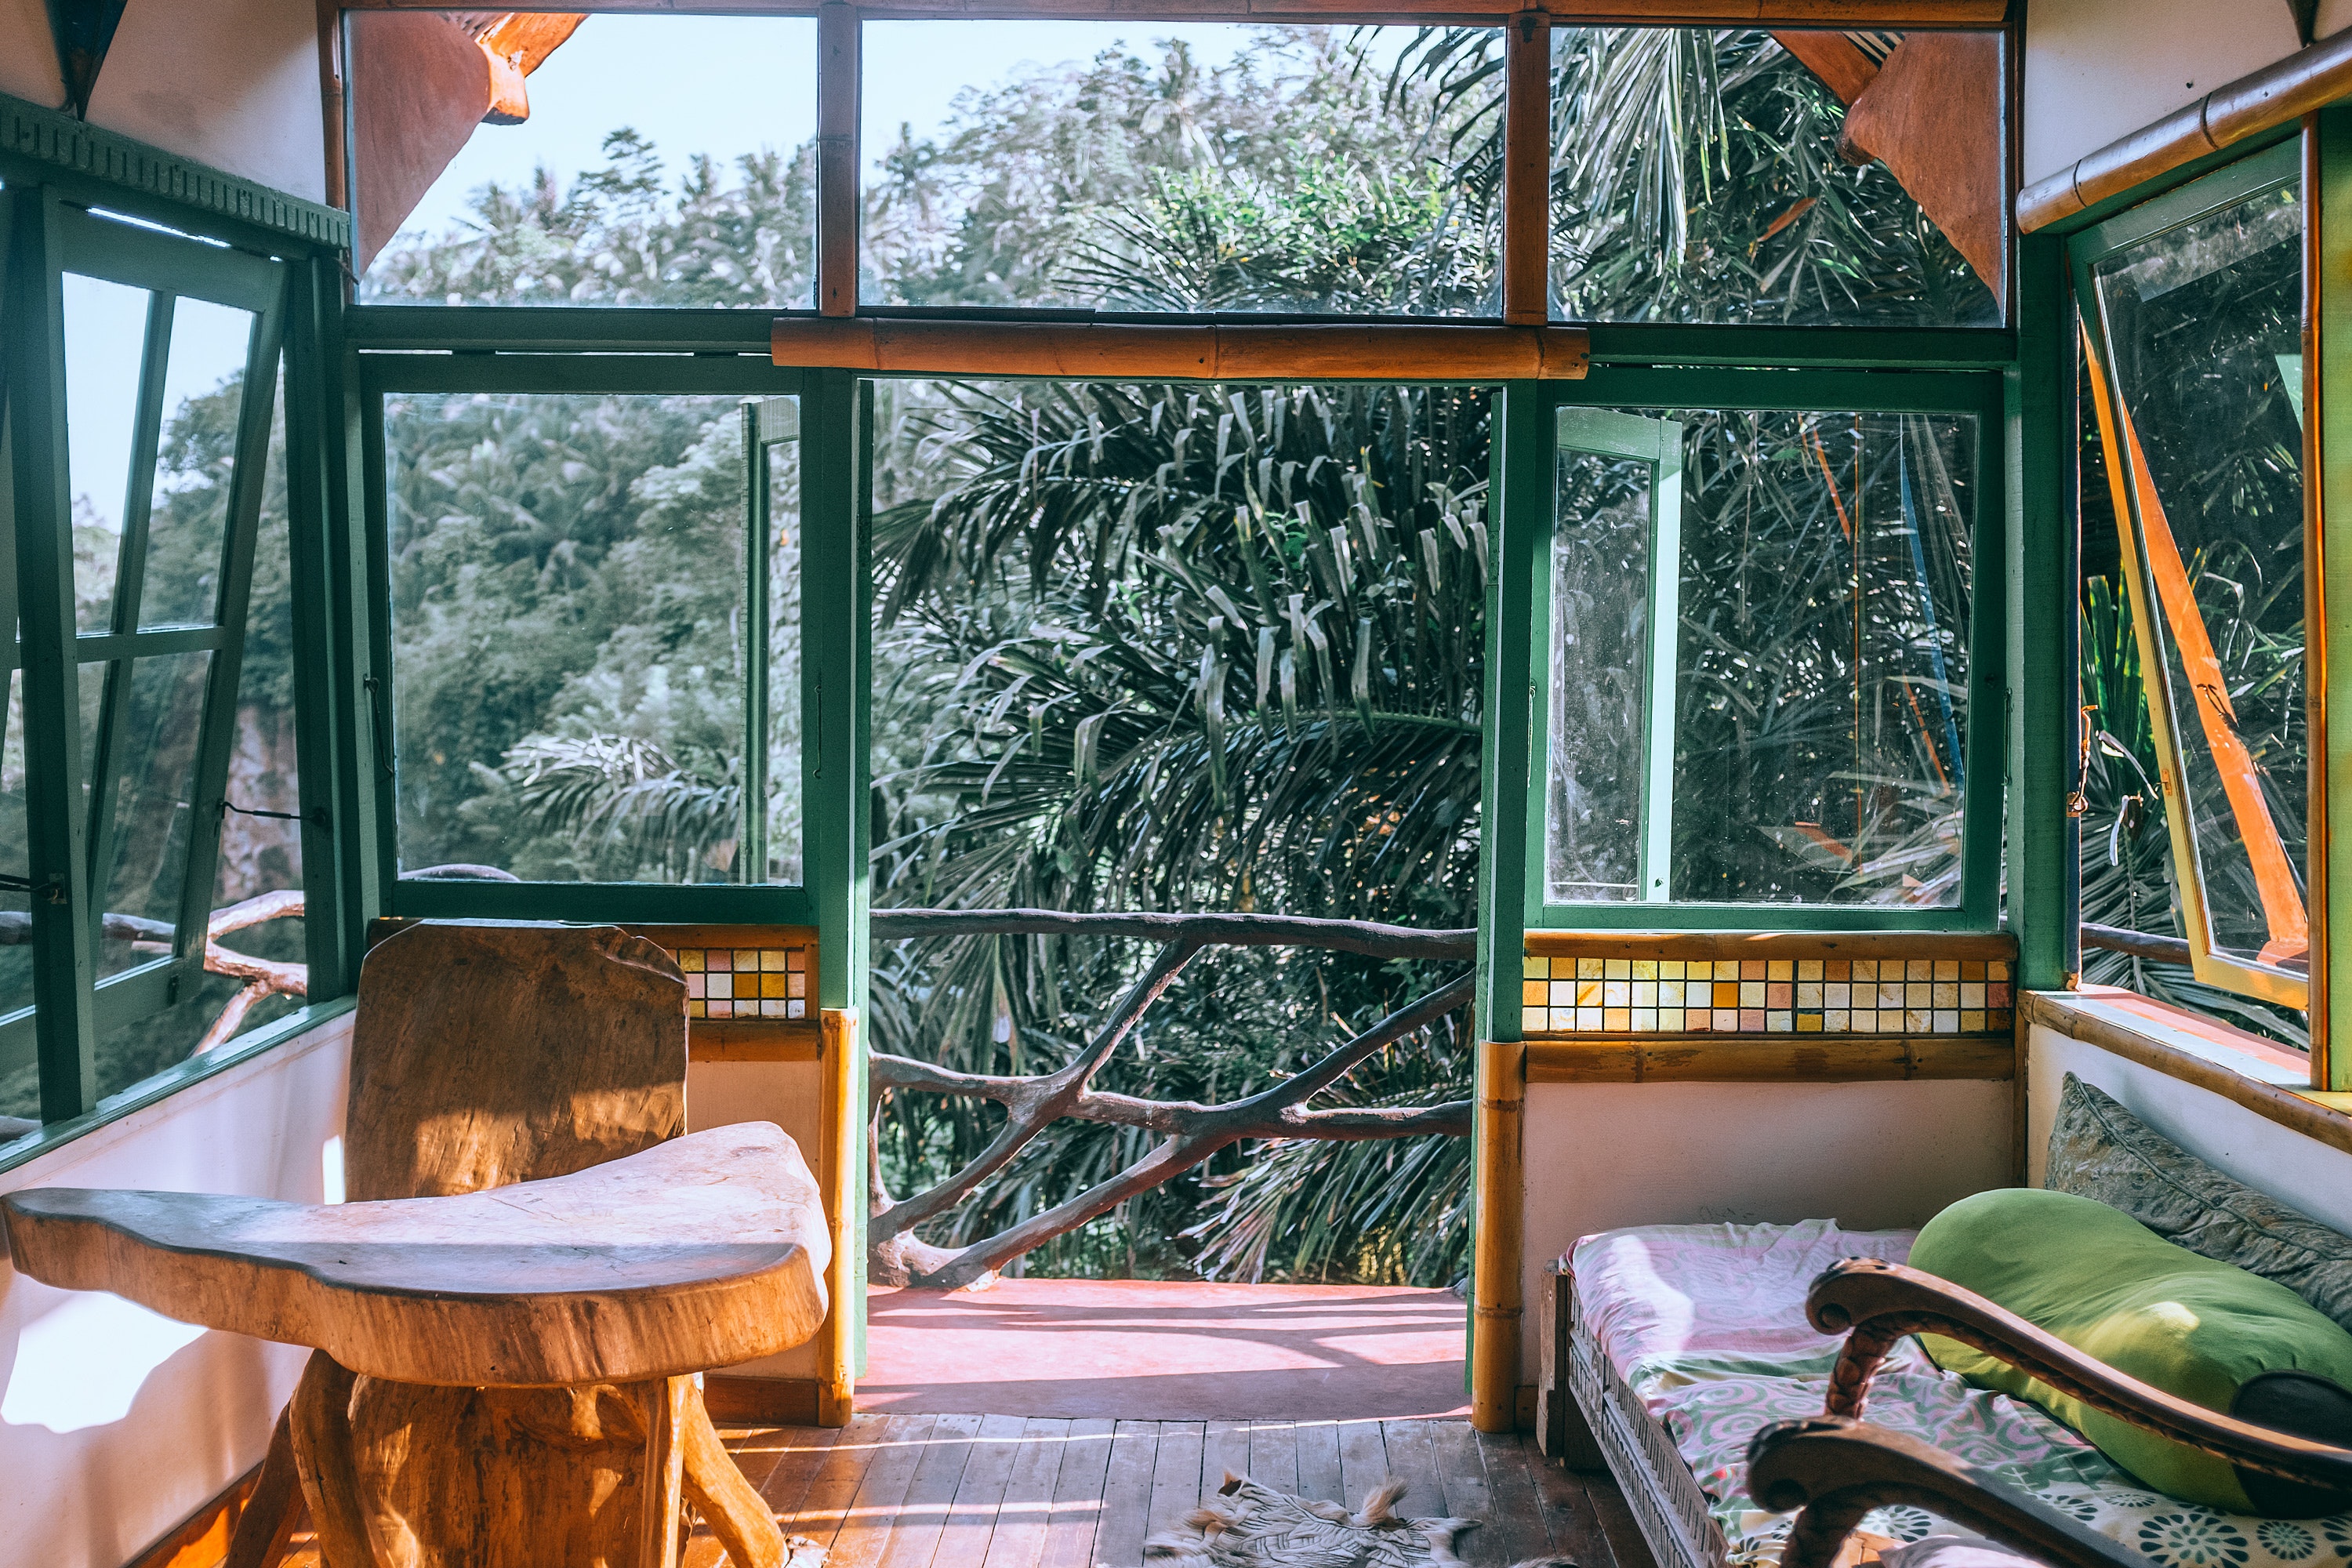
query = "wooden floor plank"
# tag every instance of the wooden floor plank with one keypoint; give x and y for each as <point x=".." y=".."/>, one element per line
<point x="1514" y="1529"/>
<point x="915" y="1537"/>
<point x="864" y="1531"/>
<point x="801" y="1452"/>
<point x="1319" y="1463"/>
<point x="971" y="1519"/>
<point x="834" y="1488"/>
<point x="1363" y="1461"/>
<point x="1176" y="1476"/>
<point x="1020" y="1538"/>
<point x="1461" y="1472"/>
<point x="1411" y="1461"/>
<point x="1626" y="1542"/>
<point x="1127" y="1496"/>
<point x="1077" y="1496"/>
<point x="1274" y="1456"/>
<point x="1568" y="1514"/>
<point x="1225" y="1451"/>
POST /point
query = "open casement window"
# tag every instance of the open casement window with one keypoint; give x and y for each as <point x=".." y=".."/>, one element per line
<point x="635" y="526"/>
<point x="1765" y="669"/>
<point x="2193" y="315"/>
<point x="169" y="377"/>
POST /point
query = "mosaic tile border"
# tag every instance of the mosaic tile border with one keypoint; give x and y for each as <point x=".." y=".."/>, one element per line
<point x="1767" y="996"/>
<point x="745" y="981"/>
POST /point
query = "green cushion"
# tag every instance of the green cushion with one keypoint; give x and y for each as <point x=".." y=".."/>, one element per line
<point x="2114" y="1290"/>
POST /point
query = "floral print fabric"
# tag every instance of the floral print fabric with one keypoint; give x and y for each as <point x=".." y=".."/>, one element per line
<point x="1706" y="1323"/>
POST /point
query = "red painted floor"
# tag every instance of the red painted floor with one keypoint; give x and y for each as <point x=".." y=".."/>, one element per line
<point x="1147" y="1350"/>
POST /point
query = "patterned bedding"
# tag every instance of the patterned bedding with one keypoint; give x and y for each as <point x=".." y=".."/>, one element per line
<point x="1705" y="1325"/>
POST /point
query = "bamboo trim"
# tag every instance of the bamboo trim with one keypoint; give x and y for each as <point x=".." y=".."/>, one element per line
<point x="2278" y="94"/>
<point x="836" y="1398"/>
<point x="1771" y="1058"/>
<point x="838" y="210"/>
<point x="1771" y="944"/>
<point x="754" y="1040"/>
<point x="2315" y="609"/>
<point x="1500" y="1233"/>
<point x="1526" y="170"/>
<point x="1462" y="350"/>
<point x="2062" y="1012"/>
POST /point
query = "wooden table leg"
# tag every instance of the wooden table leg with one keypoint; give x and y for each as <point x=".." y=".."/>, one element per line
<point x="320" y="1421"/>
<point x="266" y="1522"/>
<point x="661" y="1498"/>
<point x="738" y="1515"/>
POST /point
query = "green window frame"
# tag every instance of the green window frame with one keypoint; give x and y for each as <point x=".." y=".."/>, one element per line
<point x="1528" y="527"/>
<point x="59" y="220"/>
<point x="2147" y="220"/>
<point x="757" y="381"/>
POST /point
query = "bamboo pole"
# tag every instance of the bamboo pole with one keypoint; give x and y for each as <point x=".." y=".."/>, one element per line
<point x="1526" y="170"/>
<point x="1495" y="1289"/>
<point x="1771" y="1058"/>
<point x="838" y="210"/>
<point x="843" y="1122"/>
<point x="2278" y="94"/>
<point x="1453" y="351"/>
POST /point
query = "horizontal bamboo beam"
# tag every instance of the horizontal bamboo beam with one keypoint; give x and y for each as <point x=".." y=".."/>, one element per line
<point x="1719" y="945"/>
<point x="2276" y="95"/>
<point x="1451" y="351"/>
<point x="1838" y="14"/>
<point x="1774" y="1058"/>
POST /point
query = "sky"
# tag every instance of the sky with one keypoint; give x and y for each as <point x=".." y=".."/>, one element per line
<point x="730" y="85"/>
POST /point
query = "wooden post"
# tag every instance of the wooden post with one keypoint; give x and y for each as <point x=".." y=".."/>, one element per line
<point x="838" y="210"/>
<point x="1526" y="170"/>
<point x="845" y="1124"/>
<point x="1495" y="1289"/>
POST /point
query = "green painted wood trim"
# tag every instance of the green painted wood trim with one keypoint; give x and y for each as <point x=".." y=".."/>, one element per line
<point x="1522" y="466"/>
<point x="635" y="903"/>
<point x="558" y="329"/>
<point x="837" y="679"/>
<point x="94" y="164"/>
<point x="1825" y="348"/>
<point x="585" y="374"/>
<point x="172" y="1080"/>
<point x="2040" y="547"/>
<point x="2332" y="330"/>
<point x="57" y="849"/>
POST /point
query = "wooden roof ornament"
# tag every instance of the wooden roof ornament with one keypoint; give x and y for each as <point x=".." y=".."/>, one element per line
<point x="535" y="1268"/>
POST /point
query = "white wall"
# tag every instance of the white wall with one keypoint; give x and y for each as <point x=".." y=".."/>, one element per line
<point x="116" y="1424"/>
<point x="1870" y="1155"/>
<point x="2096" y="70"/>
<point x="231" y="83"/>
<point x="28" y="54"/>
<point x="2297" y="1171"/>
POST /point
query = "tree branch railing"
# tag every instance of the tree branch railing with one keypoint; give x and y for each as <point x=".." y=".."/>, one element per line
<point x="1193" y="1132"/>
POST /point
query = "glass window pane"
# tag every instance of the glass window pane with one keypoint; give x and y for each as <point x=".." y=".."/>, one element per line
<point x="2204" y="332"/>
<point x="188" y="516"/>
<point x="1180" y="166"/>
<point x="1701" y="175"/>
<point x="152" y="817"/>
<point x="106" y="337"/>
<point x="1600" y="650"/>
<point x="665" y="160"/>
<point x="568" y="656"/>
<point x="1821" y="664"/>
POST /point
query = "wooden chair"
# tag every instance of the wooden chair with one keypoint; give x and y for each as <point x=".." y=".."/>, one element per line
<point x="505" y="1379"/>
<point x="1837" y="1467"/>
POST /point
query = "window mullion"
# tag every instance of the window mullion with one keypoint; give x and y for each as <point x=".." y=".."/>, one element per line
<point x="217" y="736"/>
<point x="63" y="956"/>
<point x="1659" y="710"/>
<point x="129" y="575"/>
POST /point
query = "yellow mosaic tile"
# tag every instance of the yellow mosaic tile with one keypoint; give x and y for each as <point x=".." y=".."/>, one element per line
<point x="1759" y="996"/>
<point x="755" y="981"/>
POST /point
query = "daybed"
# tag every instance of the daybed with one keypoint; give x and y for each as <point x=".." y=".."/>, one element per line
<point x="1667" y="1349"/>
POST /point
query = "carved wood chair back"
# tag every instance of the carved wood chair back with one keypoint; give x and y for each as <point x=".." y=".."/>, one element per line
<point x="485" y="1053"/>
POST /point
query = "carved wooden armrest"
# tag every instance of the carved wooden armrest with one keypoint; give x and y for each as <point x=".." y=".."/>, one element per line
<point x="1838" y="1470"/>
<point x="1875" y="1304"/>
